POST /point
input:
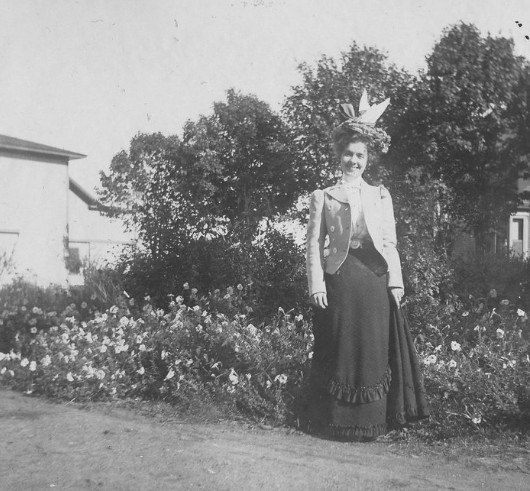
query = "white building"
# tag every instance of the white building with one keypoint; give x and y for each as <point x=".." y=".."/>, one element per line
<point x="46" y="217"/>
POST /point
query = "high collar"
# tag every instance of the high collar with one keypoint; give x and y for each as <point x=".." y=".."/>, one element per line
<point x="351" y="185"/>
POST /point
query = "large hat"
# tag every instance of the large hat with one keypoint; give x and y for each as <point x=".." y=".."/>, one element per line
<point x="364" y="123"/>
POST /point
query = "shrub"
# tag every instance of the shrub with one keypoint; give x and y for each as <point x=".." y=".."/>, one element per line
<point x="477" y="369"/>
<point x="207" y="348"/>
<point x="272" y="268"/>
<point x="171" y="355"/>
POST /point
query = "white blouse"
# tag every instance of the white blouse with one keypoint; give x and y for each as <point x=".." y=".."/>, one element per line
<point x="358" y="224"/>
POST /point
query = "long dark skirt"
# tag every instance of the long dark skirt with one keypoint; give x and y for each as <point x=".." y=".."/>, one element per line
<point x="362" y="358"/>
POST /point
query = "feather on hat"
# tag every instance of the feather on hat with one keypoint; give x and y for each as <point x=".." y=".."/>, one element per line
<point x="364" y="123"/>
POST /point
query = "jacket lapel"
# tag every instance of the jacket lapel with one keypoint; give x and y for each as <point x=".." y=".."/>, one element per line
<point x="338" y="192"/>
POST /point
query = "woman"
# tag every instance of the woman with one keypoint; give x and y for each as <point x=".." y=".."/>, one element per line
<point x="364" y="371"/>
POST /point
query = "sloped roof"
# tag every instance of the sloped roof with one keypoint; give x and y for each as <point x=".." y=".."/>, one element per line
<point x="86" y="196"/>
<point x="18" y="145"/>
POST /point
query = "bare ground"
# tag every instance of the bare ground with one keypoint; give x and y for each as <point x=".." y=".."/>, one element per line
<point x="46" y="445"/>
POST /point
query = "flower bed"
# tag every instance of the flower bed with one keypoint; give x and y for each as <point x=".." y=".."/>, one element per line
<point x="476" y="360"/>
<point x="155" y="354"/>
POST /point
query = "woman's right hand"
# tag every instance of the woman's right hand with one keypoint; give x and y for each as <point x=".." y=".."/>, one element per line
<point x="320" y="300"/>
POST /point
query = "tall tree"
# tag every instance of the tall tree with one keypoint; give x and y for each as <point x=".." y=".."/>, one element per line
<point x="230" y="170"/>
<point x="467" y="125"/>
<point x="312" y="109"/>
<point x="242" y="156"/>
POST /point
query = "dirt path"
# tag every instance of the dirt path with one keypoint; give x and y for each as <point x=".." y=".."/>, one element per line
<point x="50" y="446"/>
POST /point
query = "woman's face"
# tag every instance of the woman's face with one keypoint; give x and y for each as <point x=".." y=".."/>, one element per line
<point x="353" y="159"/>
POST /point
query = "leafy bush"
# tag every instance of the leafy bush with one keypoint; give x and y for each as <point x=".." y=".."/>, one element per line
<point x="510" y="277"/>
<point x="25" y="306"/>
<point x="476" y="356"/>
<point x="272" y="267"/>
<point x="477" y="368"/>
<point x="171" y="355"/>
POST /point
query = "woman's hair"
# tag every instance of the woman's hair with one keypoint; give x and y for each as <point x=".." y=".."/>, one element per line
<point x="343" y="139"/>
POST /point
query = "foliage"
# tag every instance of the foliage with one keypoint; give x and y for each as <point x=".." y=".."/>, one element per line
<point x="312" y="109"/>
<point x="27" y="307"/>
<point x="475" y="358"/>
<point x="508" y="277"/>
<point x="465" y="124"/>
<point x="477" y="368"/>
<point x="239" y="162"/>
<point x="271" y="265"/>
<point x="167" y="355"/>
<point x="230" y="169"/>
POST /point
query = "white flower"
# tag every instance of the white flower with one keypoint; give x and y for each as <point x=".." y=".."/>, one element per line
<point x="24" y="362"/>
<point x="170" y="374"/>
<point x="33" y="366"/>
<point x="11" y="372"/>
<point x="248" y="376"/>
<point x="268" y="384"/>
<point x="113" y="309"/>
<point x="227" y="296"/>
<point x="124" y="321"/>
<point x="194" y="291"/>
<point x="252" y="329"/>
<point x="69" y="377"/>
<point x="281" y="379"/>
<point x="299" y="318"/>
<point x="3" y="356"/>
<point x="500" y="333"/>
<point x="196" y="308"/>
<point x="476" y="420"/>
<point x="14" y="356"/>
<point x="163" y="354"/>
<point x="455" y="346"/>
<point x="233" y="377"/>
<point x="521" y="313"/>
<point x="430" y="360"/>
<point x="310" y="355"/>
<point x="141" y="371"/>
<point x="465" y="314"/>
<point x="230" y="290"/>
<point x="103" y="348"/>
<point x="4" y="369"/>
<point x="141" y="347"/>
<point x="240" y="286"/>
<point x="505" y="302"/>
<point x="438" y="348"/>
<point x="100" y="374"/>
<point x="179" y="299"/>
<point x="186" y="286"/>
<point x="33" y="330"/>
<point x="452" y="364"/>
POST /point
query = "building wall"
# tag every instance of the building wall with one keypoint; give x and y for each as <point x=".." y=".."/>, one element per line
<point x="33" y="216"/>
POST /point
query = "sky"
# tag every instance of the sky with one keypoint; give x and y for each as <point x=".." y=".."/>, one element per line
<point x="87" y="75"/>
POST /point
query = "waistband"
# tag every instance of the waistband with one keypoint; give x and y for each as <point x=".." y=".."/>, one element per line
<point x="360" y="244"/>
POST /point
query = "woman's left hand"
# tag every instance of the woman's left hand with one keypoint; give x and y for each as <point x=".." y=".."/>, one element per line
<point x="397" y="295"/>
